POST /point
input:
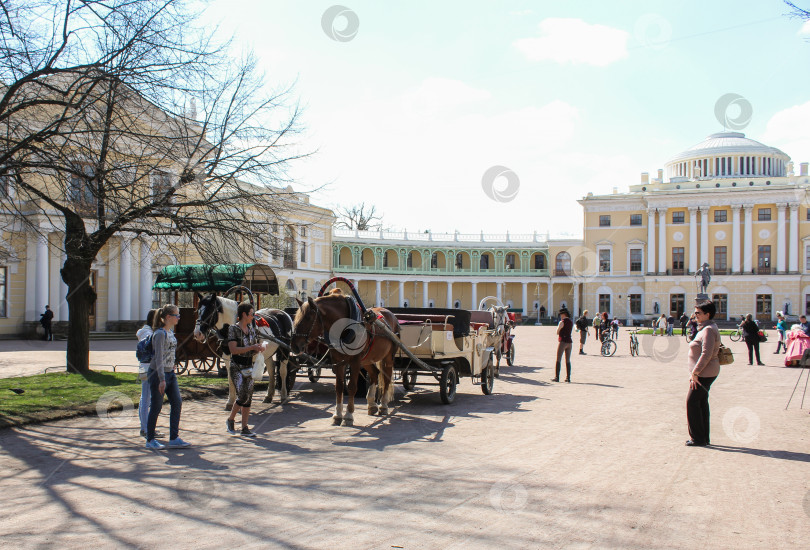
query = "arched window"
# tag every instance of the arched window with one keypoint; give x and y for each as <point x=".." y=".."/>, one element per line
<point x="563" y="264"/>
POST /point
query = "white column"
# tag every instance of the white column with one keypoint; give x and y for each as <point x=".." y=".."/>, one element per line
<point x="64" y="311"/>
<point x="474" y="295"/>
<point x="498" y="290"/>
<point x="662" y="240"/>
<point x="378" y="293"/>
<point x="575" y="311"/>
<point x="113" y="262"/>
<point x="424" y="294"/>
<point x="145" y="281"/>
<point x="401" y="293"/>
<point x="693" y="239"/>
<point x="651" y="241"/>
<point x="748" y="243"/>
<point x="704" y="235"/>
<point x="525" y="298"/>
<point x="125" y="283"/>
<point x="780" y="237"/>
<point x="550" y="309"/>
<point x="795" y="253"/>
<point x="449" y="294"/>
<point x="31" y="278"/>
<point x="41" y="296"/>
<point x="735" y="238"/>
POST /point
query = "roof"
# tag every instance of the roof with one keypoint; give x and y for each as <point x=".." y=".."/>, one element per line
<point x="259" y="278"/>
<point x="727" y="143"/>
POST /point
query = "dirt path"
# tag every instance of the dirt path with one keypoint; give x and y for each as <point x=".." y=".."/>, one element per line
<point x="599" y="463"/>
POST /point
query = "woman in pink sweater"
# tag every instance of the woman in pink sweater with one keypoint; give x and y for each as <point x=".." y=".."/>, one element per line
<point x="704" y="366"/>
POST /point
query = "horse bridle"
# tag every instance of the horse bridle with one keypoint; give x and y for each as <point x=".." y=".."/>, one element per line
<point x="316" y="319"/>
<point x="211" y="328"/>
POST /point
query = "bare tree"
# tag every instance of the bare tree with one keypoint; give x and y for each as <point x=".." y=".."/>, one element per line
<point x="796" y="11"/>
<point x="359" y="217"/>
<point x="100" y="135"/>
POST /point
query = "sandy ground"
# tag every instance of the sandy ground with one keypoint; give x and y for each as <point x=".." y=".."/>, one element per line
<point x="599" y="463"/>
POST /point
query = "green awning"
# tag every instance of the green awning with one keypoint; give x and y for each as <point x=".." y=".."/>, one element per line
<point x="259" y="278"/>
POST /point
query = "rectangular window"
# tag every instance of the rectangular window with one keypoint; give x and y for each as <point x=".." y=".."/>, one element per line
<point x="807" y="258"/>
<point x="808" y="214"/>
<point x="3" y="292"/>
<point x="539" y="261"/>
<point x="677" y="258"/>
<point x="763" y="306"/>
<point x="635" y="260"/>
<point x="635" y="304"/>
<point x="764" y="214"/>
<point x="676" y="304"/>
<point x="409" y="261"/>
<point x="721" y="304"/>
<point x="484" y="263"/>
<point x="434" y="261"/>
<point x="604" y="261"/>
<point x="720" y="259"/>
<point x="807" y="304"/>
<point x="459" y="261"/>
<point x="303" y="232"/>
<point x="80" y="191"/>
<point x="764" y="259"/>
<point x="721" y="215"/>
<point x="303" y="284"/>
<point x="604" y="302"/>
<point x="678" y="216"/>
<point x="303" y="252"/>
<point x="635" y="219"/>
<point x="5" y="185"/>
<point x="604" y="221"/>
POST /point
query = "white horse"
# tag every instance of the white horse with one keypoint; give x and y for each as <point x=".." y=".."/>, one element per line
<point x="216" y="313"/>
<point x="500" y="318"/>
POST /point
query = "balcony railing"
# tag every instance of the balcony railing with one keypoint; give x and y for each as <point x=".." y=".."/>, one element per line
<point x="721" y="271"/>
<point x="764" y="271"/>
<point x="678" y="272"/>
<point x="441" y="271"/>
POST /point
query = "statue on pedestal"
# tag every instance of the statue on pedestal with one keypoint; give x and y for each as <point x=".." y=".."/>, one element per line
<point x="705" y="274"/>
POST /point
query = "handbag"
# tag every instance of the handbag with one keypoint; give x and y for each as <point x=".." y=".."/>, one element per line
<point x="762" y="336"/>
<point x="724" y="355"/>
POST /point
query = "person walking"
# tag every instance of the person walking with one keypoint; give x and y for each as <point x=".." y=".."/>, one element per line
<point x="670" y="325"/>
<point x="46" y="320"/>
<point x="704" y="367"/>
<point x="661" y="324"/>
<point x="163" y="380"/>
<point x="143" y="375"/>
<point x="750" y="332"/>
<point x="781" y="327"/>
<point x="597" y="322"/>
<point x="244" y="345"/>
<point x="564" y="344"/>
<point x="693" y="327"/>
<point x="684" y="321"/>
<point x="582" y="326"/>
<point x="614" y="328"/>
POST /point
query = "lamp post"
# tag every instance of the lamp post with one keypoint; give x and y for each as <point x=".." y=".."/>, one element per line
<point x="537" y="324"/>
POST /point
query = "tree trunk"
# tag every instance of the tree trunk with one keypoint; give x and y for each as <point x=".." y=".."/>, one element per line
<point x="80" y="296"/>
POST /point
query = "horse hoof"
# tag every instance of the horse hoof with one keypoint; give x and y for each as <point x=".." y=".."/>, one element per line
<point x="228" y="406"/>
<point x="268" y="399"/>
<point x="373" y="411"/>
<point x="336" y="420"/>
<point x="383" y="412"/>
<point x="348" y="422"/>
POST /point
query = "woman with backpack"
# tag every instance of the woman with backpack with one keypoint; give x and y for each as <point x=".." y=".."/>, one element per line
<point x="143" y="373"/>
<point x="163" y="380"/>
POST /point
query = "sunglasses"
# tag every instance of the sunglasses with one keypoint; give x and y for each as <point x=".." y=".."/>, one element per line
<point x="173" y="315"/>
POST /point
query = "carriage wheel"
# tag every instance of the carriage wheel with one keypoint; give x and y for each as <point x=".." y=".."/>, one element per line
<point x="204" y="364"/>
<point x="314" y="374"/>
<point x="488" y="377"/>
<point x="447" y="384"/>
<point x="181" y="363"/>
<point x="510" y="357"/>
<point x="362" y="382"/>
<point x="409" y="379"/>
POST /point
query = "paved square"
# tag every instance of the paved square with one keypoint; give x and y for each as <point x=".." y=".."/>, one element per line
<point x="598" y="463"/>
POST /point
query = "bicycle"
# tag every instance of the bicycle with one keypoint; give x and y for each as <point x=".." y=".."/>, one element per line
<point x="736" y="335"/>
<point x="633" y="343"/>
<point x="608" y="345"/>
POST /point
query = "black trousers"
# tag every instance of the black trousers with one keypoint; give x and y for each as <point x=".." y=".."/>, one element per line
<point x="697" y="411"/>
<point x="753" y="346"/>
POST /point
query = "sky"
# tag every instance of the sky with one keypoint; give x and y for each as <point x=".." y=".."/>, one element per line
<point x="499" y="116"/>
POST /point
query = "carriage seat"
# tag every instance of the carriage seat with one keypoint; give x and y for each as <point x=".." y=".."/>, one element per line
<point x="458" y="318"/>
<point x="437" y="322"/>
<point x="482" y="317"/>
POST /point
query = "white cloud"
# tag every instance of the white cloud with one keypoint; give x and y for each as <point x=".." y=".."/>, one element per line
<point x="805" y="28"/>
<point x="789" y="130"/>
<point x="575" y="41"/>
<point x="435" y="94"/>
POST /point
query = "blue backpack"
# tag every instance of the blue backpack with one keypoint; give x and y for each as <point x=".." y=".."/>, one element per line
<point x="144" y="351"/>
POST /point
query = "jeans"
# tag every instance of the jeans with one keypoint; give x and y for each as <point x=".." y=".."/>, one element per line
<point x="143" y="405"/>
<point x="697" y="411"/>
<point x="175" y="401"/>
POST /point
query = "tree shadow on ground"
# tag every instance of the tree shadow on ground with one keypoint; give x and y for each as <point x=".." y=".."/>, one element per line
<point x="781" y="455"/>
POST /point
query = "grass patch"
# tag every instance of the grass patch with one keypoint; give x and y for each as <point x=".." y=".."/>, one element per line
<point x="723" y="332"/>
<point x="59" y="395"/>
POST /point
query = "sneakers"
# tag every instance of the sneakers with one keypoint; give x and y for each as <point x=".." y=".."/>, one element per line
<point x="229" y="427"/>
<point x="568" y="380"/>
<point x="178" y="444"/>
<point x="155" y="445"/>
<point x="247" y="433"/>
<point x="582" y="352"/>
<point x="555" y="379"/>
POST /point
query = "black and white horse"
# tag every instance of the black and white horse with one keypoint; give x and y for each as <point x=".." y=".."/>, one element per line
<point x="500" y="318"/>
<point x="216" y="314"/>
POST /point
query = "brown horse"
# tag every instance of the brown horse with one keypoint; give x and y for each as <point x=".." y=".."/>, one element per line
<point x="327" y="319"/>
